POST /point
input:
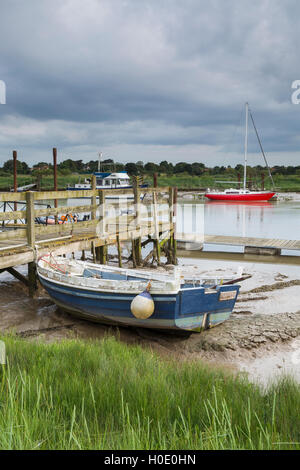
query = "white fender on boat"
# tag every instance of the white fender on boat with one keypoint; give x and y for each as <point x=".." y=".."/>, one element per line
<point x="142" y="305"/>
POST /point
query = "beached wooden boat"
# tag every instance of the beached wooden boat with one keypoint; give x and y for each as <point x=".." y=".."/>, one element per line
<point x="136" y="297"/>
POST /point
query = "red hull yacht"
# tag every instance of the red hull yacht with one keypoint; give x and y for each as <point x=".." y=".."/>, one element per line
<point x="244" y="194"/>
<point x="239" y="195"/>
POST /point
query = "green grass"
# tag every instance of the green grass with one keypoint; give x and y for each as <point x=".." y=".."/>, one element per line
<point x="182" y="180"/>
<point x="108" y="395"/>
<point x="47" y="181"/>
<point x="185" y="181"/>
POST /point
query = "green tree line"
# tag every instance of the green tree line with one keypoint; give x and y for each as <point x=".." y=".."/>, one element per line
<point x="69" y="166"/>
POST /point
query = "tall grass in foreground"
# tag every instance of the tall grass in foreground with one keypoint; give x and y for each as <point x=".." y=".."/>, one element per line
<point x="107" y="395"/>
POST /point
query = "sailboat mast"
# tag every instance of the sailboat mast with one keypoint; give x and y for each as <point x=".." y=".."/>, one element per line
<point x="99" y="161"/>
<point x="246" y="146"/>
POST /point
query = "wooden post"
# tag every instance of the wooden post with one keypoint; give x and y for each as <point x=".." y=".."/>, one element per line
<point x="54" y="150"/>
<point x="174" y="241"/>
<point x="15" y="179"/>
<point x="93" y="213"/>
<point x="155" y="180"/>
<point x="133" y="253"/>
<point x="103" y="248"/>
<point x="156" y="227"/>
<point x="93" y="250"/>
<point x="138" y="240"/>
<point x="30" y="229"/>
<point x="119" y="251"/>
<point x="103" y="254"/>
<point x="32" y="284"/>
<point x="171" y="222"/>
<point x="94" y="198"/>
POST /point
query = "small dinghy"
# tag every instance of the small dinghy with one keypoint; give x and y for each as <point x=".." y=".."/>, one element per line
<point x="135" y="297"/>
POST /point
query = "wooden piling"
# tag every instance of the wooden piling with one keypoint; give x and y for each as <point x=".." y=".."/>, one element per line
<point x="30" y="231"/>
<point x="138" y="240"/>
<point x="174" y="241"/>
<point x="30" y="227"/>
<point x="54" y="151"/>
<point x="15" y="179"/>
<point x="102" y="253"/>
<point x="156" y="228"/>
<point x="171" y="222"/>
<point x="32" y="281"/>
<point x="119" y="251"/>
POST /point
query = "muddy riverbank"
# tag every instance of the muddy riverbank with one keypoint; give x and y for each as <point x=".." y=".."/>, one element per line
<point x="259" y="338"/>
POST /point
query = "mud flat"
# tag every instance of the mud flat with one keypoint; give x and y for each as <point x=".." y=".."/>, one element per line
<point x="260" y="337"/>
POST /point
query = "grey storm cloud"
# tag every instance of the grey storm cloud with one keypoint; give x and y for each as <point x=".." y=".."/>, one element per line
<point x="146" y="73"/>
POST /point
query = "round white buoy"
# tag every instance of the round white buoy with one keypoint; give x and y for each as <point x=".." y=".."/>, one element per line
<point x="142" y="305"/>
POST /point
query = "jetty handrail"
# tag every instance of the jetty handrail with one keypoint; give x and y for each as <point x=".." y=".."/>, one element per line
<point x="99" y="221"/>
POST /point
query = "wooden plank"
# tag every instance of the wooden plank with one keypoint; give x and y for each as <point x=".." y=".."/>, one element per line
<point x="12" y="215"/>
<point x="60" y="228"/>
<point x="252" y="241"/>
<point x="30" y="229"/>
<point x="76" y="194"/>
<point x="63" y="210"/>
<point x="13" y="197"/>
<point x="119" y="191"/>
<point x="10" y="234"/>
<point x="16" y="259"/>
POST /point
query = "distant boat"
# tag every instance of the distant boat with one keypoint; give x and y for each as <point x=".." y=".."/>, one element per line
<point x="27" y="187"/>
<point x="136" y="298"/>
<point x="243" y="194"/>
<point x="108" y="180"/>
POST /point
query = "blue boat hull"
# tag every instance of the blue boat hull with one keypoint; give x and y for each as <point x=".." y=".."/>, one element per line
<point x="189" y="309"/>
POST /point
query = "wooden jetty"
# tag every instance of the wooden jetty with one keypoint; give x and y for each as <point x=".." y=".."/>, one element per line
<point x="22" y="240"/>
<point x="254" y="245"/>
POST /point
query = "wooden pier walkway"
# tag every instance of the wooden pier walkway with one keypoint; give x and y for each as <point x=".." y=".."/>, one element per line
<point x="275" y="243"/>
<point x="23" y="240"/>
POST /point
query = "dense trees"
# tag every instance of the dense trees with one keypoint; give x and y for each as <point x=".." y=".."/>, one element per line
<point x="70" y="166"/>
<point x="22" y="167"/>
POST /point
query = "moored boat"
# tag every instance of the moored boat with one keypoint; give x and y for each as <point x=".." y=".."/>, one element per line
<point x="111" y="295"/>
<point x="239" y="195"/>
<point x="244" y="194"/>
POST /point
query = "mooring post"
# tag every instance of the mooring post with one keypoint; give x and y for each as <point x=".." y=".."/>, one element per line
<point x="30" y="231"/>
<point x="155" y="180"/>
<point x="15" y="180"/>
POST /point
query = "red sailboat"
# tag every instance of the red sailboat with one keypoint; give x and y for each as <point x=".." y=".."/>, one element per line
<point x="244" y="194"/>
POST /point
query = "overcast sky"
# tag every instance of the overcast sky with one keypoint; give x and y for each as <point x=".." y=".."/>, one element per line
<point x="149" y="80"/>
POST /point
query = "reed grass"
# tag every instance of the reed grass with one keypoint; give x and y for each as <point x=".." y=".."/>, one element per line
<point x="108" y="395"/>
